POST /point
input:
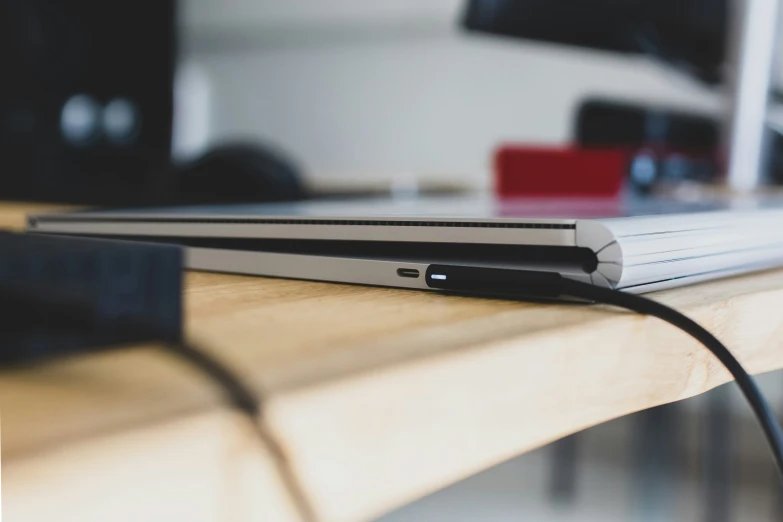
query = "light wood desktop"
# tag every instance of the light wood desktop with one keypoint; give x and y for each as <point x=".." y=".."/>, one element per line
<point x="376" y="396"/>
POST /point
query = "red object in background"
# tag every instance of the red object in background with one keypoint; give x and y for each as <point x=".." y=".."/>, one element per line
<point x="559" y="172"/>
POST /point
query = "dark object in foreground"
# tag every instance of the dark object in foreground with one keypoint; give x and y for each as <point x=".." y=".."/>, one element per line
<point x="62" y="295"/>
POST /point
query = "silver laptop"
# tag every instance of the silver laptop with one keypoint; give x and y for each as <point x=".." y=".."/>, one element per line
<point x="637" y="246"/>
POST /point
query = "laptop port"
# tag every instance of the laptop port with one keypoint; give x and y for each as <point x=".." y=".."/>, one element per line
<point x="411" y="273"/>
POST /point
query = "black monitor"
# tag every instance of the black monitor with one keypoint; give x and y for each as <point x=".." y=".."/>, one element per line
<point x="691" y="34"/>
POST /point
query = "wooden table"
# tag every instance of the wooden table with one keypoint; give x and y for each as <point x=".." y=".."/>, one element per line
<point x="376" y="396"/>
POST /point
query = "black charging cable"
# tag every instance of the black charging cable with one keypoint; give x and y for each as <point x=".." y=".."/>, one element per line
<point x="641" y="305"/>
<point x="250" y="404"/>
<point x="532" y="285"/>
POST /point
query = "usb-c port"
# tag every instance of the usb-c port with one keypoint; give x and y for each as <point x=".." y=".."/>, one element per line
<point x="411" y="273"/>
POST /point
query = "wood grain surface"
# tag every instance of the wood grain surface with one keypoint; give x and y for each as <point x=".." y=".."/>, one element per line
<point x="378" y="396"/>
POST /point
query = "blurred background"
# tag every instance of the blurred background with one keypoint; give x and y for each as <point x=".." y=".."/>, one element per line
<point x="162" y="102"/>
<point x="383" y="92"/>
<point x="110" y="105"/>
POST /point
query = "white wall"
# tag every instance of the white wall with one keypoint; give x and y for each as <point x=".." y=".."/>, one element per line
<point x="366" y="91"/>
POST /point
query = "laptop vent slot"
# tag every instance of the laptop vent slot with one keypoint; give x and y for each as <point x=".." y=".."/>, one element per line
<point x="312" y="222"/>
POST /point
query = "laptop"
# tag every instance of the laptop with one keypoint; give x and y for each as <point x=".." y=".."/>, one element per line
<point x="632" y="245"/>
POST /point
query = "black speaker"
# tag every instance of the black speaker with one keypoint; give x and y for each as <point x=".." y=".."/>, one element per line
<point x="86" y="98"/>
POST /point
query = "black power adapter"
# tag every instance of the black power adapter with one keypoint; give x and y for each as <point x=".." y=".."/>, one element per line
<point x="63" y="295"/>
